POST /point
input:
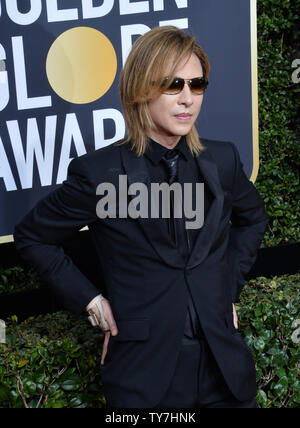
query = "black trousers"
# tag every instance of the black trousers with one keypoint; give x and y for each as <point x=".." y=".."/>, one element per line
<point x="198" y="381"/>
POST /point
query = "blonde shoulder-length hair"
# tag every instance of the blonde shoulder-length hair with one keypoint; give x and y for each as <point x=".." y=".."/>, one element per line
<point x="154" y="56"/>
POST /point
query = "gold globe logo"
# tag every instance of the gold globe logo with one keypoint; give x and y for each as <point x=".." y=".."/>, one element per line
<point x="81" y="65"/>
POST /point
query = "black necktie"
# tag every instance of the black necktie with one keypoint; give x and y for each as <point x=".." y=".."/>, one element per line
<point x="176" y="225"/>
<point x="170" y="159"/>
<point x="178" y="233"/>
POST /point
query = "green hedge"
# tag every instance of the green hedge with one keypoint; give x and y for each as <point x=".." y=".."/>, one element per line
<point x="269" y="313"/>
<point x="17" y="279"/>
<point x="53" y="361"/>
<point x="279" y="118"/>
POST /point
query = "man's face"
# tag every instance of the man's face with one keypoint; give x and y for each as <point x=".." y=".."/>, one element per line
<point x="175" y="115"/>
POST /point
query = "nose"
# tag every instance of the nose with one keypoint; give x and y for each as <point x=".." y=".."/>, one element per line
<point x="186" y="96"/>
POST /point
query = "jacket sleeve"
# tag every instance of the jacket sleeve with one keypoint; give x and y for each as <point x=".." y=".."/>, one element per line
<point x="249" y="221"/>
<point x="38" y="237"/>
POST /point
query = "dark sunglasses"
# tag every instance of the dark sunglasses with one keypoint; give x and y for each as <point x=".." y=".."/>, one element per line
<point x="197" y="85"/>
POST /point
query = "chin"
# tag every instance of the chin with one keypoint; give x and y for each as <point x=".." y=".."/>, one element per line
<point x="183" y="131"/>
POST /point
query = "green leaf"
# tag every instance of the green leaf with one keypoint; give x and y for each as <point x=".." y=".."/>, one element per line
<point x="76" y="402"/>
<point x="29" y="387"/>
<point x="261" y="396"/>
<point x="281" y="387"/>
<point x="22" y="363"/>
<point x="259" y="344"/>
<point x="71" y="384"/>
<point x="52" y="403"/>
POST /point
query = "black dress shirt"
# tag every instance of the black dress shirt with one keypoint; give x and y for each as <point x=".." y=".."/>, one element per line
<point x="188" y="172"/>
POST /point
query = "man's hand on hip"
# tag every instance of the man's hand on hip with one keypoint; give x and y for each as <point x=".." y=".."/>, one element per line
<point x="101" y="315"/>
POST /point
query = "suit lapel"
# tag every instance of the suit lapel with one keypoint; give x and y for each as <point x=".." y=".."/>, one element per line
<point x="136" y="170"/>
<point x="209" y="229"/>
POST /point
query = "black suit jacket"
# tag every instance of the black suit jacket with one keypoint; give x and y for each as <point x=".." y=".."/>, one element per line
<point x="144" y="274"/>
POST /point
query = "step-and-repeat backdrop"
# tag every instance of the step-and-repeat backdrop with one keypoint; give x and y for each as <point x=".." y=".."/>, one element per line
<point x="54" y="107"/>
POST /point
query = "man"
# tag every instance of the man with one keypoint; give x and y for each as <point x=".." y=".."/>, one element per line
<point x="168" y="316"/>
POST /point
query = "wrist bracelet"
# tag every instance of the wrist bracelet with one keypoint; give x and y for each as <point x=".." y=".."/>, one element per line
<point x="93" y="318"/>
